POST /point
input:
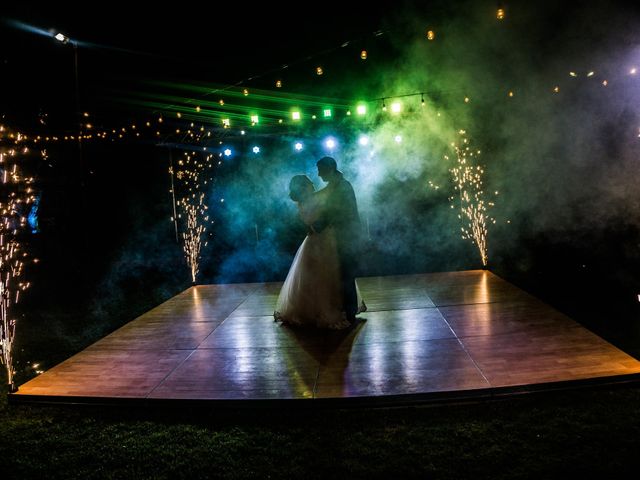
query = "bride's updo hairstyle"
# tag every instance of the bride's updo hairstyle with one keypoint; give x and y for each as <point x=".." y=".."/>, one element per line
<point x="300" y="187"/>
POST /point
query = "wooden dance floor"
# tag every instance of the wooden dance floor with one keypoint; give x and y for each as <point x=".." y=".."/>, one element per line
<point x="435" y="336"/>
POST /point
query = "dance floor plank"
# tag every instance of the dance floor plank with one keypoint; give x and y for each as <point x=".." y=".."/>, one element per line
<point x="455" y="333"/>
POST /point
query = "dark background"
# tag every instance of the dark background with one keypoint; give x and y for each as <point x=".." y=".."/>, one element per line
<point x="107" y="245"/>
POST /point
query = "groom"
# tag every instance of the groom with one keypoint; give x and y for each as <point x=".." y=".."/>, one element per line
<point x="341" y="213"/>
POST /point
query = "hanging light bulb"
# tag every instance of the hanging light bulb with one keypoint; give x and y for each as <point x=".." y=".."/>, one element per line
<point x="500" y="13"/>
<point x="221" y="102"/>
<point x="278" y="83"/>
<point x="245" y="92"/>
<point x="431" y="34"/>
<point x="363" y="54"/>
<point x="422" y="99"/>
<point x="319" y="71"/>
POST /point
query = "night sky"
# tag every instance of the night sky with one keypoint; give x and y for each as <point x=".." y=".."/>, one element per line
<point x="222" y="44"/>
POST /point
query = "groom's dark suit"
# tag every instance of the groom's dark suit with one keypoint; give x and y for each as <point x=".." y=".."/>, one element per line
<point x="341" y="212"/>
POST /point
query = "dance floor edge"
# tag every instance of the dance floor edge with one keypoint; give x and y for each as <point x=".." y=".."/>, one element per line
<point x="431" y="337"/>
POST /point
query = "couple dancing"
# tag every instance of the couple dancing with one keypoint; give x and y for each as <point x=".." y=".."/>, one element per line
<point x="320" y="288"/>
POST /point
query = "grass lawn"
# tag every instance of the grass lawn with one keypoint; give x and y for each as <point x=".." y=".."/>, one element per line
<point x="594" y="432"/>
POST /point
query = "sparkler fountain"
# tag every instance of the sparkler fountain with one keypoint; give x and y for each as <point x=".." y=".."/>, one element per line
<point x="467" y="178"/>
<point x="16" y="197"/>
<point x="192" y="174"/>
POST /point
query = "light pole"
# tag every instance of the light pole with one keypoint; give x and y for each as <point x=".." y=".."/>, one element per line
<point x="66" y="40"/>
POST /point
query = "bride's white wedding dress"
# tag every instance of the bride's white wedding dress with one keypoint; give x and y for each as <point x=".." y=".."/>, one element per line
<point x="311" y="294"/>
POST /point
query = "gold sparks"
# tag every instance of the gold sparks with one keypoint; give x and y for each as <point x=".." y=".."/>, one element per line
<point x="192" y="177"/>
<point x="467" y="178"/>
<point x="17" y="200"/>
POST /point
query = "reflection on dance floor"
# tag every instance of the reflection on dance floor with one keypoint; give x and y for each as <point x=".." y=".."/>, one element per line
<point x="423" y="334"/>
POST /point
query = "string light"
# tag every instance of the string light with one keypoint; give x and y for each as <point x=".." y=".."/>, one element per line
<point x="319" y="71"/>
<point x="431" y="35"/>
<point x="363" y="54"/>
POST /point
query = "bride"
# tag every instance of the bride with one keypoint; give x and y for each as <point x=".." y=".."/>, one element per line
<point x="311" y="294"/>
